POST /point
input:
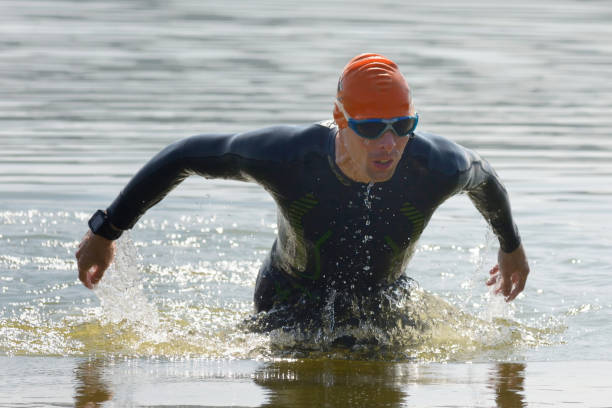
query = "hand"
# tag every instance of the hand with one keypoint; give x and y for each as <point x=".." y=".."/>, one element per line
<point x="94" y="256"/>
<point x="510" y="272"/>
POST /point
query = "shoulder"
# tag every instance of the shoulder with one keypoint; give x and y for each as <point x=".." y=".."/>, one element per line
<point x="283" y="142"/>
<point x="440" y="154"/>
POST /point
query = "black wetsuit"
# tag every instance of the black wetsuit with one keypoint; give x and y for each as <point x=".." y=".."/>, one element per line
<point x="333" y="233"/>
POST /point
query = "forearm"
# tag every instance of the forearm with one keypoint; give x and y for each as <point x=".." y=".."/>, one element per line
<point x="204" y="155"/>
<point x="491" y="200"/>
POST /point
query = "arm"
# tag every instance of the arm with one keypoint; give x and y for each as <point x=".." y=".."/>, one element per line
<point x="209" y="156"/>
<point x="260" y="156"/>
<point x="491" y="199"/>
<point x="206" y="155"/>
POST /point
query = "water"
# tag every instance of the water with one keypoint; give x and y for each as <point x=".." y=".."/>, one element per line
<point x="90" y="90"/>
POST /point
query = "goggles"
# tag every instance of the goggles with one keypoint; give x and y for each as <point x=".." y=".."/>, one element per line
<point x="374" y="127"/>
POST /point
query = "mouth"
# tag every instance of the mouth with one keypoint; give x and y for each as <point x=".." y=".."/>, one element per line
<point x="383" y="164"/>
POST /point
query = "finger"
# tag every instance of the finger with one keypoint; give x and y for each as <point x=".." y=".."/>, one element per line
<point x="505" y="287"/>
<point x="519" y="286"/>
<point x="84" y="278"/>
<point x="494" y="270"/>
<point x="512" y="295"/>
<point x="97" y="274"/>
<point x="84" y="273"/>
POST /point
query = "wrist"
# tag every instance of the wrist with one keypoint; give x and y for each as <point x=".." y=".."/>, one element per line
<point x="509" y="246"/>
<point x="101" y="226"/>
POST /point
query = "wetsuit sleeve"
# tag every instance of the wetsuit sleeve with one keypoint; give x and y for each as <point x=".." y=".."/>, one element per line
<point x="211" y="156"/>
<point x="491" y="199"/>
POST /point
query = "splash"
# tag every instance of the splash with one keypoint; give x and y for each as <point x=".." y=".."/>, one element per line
<point x="403" y="322"/>
<point x="128" y="324"/>
<point x="141" y="314"/>
<point x="121" y="291"/>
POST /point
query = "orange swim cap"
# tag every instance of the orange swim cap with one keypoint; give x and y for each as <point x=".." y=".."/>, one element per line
<point x="371" y="86"/>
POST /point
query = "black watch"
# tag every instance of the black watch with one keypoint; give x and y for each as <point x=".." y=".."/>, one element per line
<point x="100" y="225"/>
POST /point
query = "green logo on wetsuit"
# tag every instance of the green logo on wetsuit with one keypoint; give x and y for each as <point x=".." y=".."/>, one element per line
<point x="298" y="209"/>
<point x="417" y="219"/>
<point x="418" y="224"/>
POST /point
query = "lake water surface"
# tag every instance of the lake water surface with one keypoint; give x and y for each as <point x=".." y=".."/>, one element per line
<point x="90" y="90"/>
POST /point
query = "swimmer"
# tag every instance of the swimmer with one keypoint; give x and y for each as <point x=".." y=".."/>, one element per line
<point x="353" y="195"/>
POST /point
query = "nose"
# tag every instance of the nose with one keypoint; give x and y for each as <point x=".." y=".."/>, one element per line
<point x="387" y="141"/>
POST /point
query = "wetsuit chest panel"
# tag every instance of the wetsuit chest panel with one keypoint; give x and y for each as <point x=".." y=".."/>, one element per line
<point x="353" y="235"/>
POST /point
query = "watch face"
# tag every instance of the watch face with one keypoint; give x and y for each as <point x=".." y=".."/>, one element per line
<point x="100" y="225"/>
<point x="97" y="221"/>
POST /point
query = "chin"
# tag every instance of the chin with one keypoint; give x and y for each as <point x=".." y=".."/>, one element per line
<point x="378" y="177"/>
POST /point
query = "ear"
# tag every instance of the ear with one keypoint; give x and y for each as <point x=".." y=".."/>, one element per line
<point x="339" y="118"/>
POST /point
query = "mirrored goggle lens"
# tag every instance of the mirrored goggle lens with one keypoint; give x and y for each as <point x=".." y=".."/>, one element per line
<point x="403" y="127"/>
<point x="373" y="129"/>
<point x="370" y="130"/>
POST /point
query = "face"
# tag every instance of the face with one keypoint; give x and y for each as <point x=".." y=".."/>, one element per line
<point x="367" y="160"/>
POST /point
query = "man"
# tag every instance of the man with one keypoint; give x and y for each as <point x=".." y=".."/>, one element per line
<point x="353" y="198"/>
